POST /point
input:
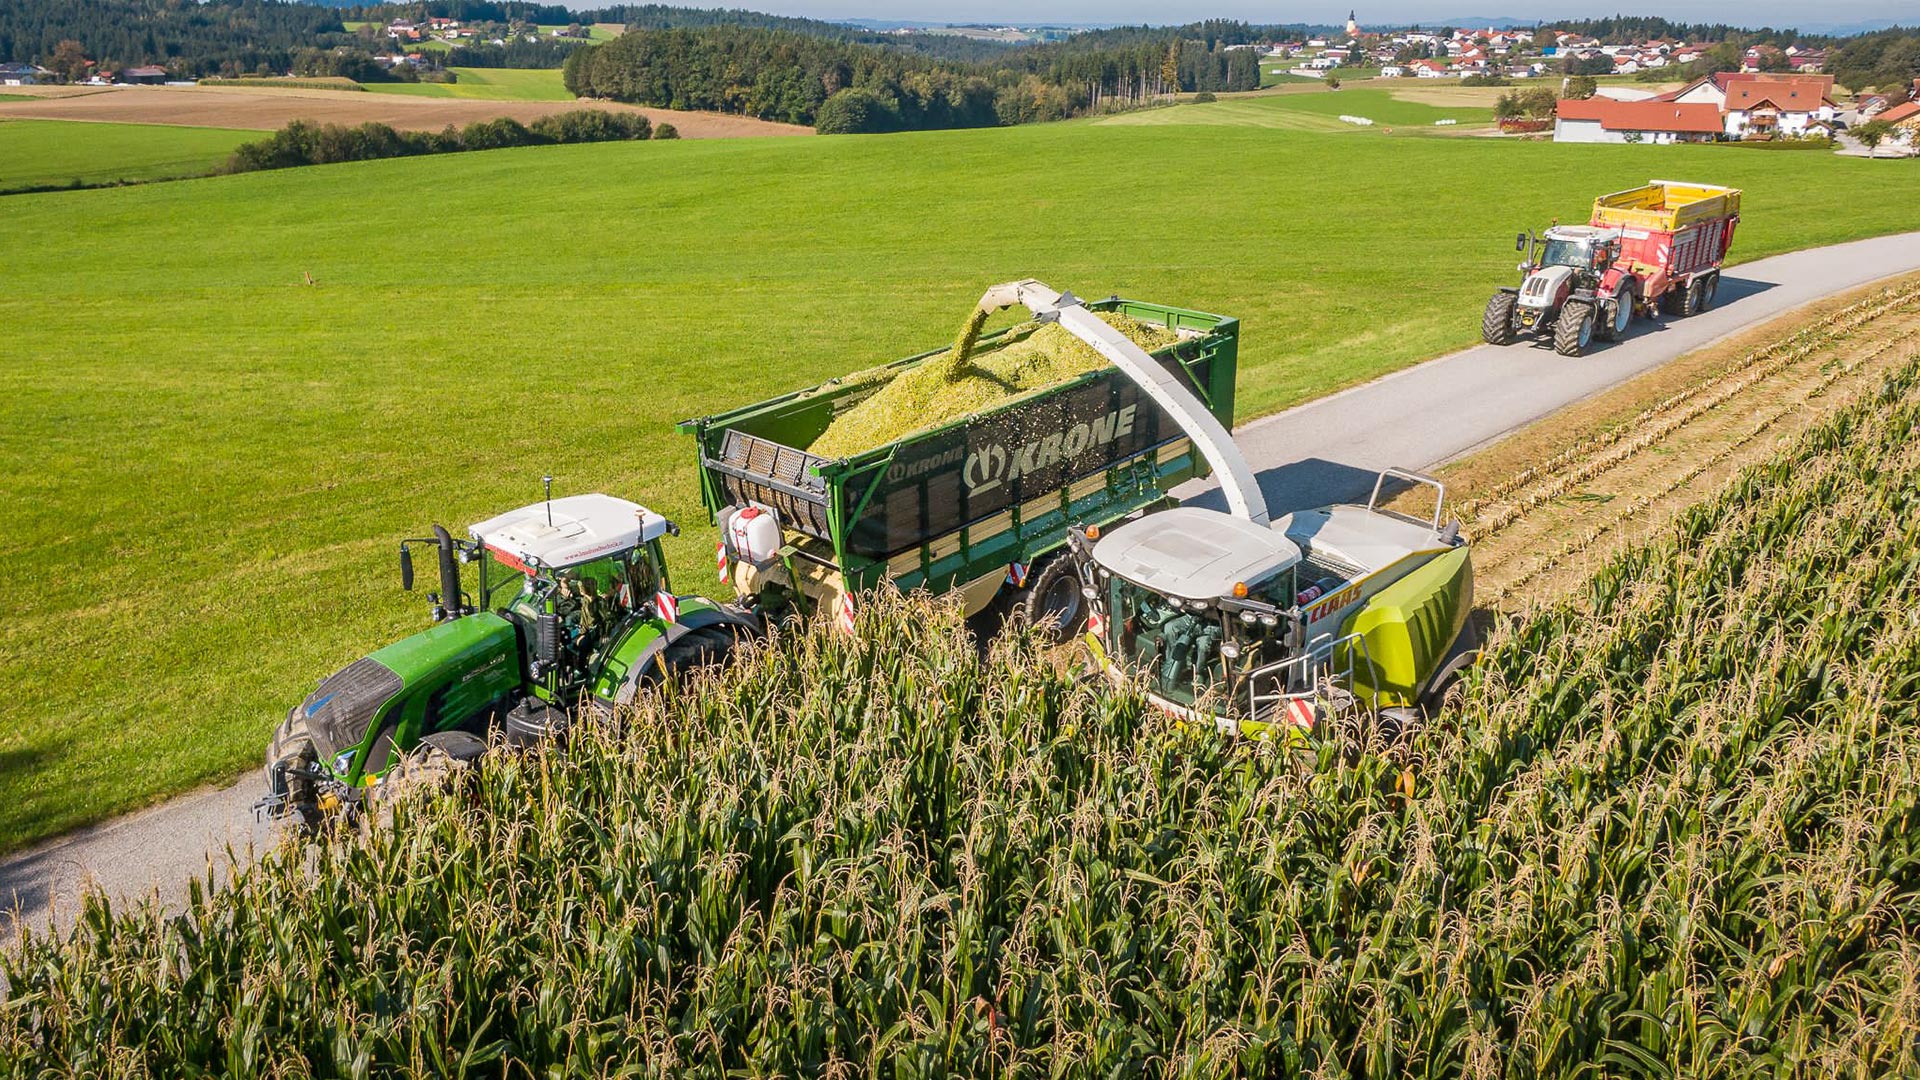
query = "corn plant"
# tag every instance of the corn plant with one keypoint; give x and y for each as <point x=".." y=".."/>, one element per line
<point x="1671" y="832"/>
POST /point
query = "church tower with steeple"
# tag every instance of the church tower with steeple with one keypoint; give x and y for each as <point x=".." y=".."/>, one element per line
<point x="1353" y="25"/>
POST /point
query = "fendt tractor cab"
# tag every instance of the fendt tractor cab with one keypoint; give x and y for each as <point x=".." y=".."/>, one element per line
<point x="1248" y="624"/>
<point x="572" y="610"/>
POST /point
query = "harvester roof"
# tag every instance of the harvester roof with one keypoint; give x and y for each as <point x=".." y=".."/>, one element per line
<point x="571" y="530"/>
<point x="1357" y="538"/>
<point x="1195" y="554"/>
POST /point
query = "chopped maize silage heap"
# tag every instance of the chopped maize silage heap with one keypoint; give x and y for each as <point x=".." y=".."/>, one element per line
<point x="1031" y="356"/>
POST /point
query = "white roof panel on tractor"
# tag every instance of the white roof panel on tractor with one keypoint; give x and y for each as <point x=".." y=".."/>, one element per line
<point x="1360" y="538"/>
<point x="1194" y="554"/>
<point x="1580" y="232"/>
<point x="584" y="527"/>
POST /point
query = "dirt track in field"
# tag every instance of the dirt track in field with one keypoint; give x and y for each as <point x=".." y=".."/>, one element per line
<point x="266" y="109"/>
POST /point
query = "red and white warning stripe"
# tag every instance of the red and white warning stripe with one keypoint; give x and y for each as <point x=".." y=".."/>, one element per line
<point x="1095" y="624"/>
<point x="843" y="615"/>
<point x="667" y="606"/>
<point x="720" y="559"/>
<point x="1017" y="575"/>
<point x="1300" y="714"/>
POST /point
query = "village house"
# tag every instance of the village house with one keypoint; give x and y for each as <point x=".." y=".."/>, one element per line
<point x="1905" y="119"/>
<point x="1762" y="103"/>
<point x="1604" y="120"/>
<point x="1781" y="105"/>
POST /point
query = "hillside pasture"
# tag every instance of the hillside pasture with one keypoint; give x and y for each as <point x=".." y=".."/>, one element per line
<point x="267" y="109"/>
<point x="486" y="84"/>
<point x="243" y="449"/>
<point x="43" y="153"/>
<point x="1306" y="110"/>
<point x="1282" y="75"/>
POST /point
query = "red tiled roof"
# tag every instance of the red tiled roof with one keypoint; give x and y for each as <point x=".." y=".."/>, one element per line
<point x="1644" y="115"/>
<point x="1898" y="113"/>
<point x="1784" y="91"/>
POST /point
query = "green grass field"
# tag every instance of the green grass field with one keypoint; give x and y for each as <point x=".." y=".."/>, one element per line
<point x="1307" y="111"/>
<point x="210" y="461"/>
<point x="594" y="33"/>
<point x="1280" y="75"/>
<point x="36" y="153"/>
<point x="491" y="84"/>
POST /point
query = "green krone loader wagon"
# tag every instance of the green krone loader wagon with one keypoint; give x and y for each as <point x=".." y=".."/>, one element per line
<point x="979" y="506"/>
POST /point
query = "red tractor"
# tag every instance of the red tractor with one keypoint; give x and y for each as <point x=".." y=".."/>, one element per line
<point x="1659" y="246"/>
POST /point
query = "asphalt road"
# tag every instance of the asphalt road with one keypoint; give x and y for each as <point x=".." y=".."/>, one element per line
<point x="1325" y="451"/>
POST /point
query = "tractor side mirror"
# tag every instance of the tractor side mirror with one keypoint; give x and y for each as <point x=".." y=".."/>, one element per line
<point x="546" y="639"/>
<point x="406" y="568"/>
<point x="1520" y="242"/>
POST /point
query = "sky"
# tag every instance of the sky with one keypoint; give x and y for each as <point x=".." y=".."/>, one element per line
<point x="1781" y="13"/>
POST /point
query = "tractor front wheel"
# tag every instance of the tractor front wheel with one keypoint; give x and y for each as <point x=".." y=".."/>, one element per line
<point x="292" y="753"/>
<point x="1496" y="325"/>
<point x="1613" y="319"/>
<point x="1053" y="603"/>
<point x="1574" y="330"/>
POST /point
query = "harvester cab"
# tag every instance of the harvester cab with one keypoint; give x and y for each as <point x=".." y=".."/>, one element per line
<point x="1254" y="625"/>
<point x="571" y="608"/>
<point x="1268" y="629"/>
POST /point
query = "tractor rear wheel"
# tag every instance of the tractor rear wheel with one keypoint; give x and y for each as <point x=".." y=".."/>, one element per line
<point x="1496" y="325"/>
<point x="1053" y="603"/>
<point x="1574" y="330"/>
<point x="704" y="647"/>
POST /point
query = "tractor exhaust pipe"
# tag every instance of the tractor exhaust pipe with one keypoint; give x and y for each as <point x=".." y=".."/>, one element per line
<point x="450" y="595"/>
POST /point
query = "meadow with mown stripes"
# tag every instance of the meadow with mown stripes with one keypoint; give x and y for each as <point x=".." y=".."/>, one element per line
<point x="219" y="433"/>
<point x="1670" y="831"/>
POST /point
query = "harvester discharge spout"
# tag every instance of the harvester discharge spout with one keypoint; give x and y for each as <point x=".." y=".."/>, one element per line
<point x="1209" y="435"/>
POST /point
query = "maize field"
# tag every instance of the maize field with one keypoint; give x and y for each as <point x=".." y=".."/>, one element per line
<point x="1674" y="831"/>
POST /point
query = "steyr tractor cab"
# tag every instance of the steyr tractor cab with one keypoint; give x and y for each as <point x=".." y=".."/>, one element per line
<point x="1569" y="288"/>
<point x="572" y="609"/>
<point x="1252" y="625"/>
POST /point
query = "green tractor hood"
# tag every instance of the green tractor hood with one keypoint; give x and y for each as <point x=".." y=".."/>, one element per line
<point x="437" y="679"/>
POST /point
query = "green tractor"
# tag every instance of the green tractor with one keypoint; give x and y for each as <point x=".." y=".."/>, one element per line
<point x="575" y="614"/>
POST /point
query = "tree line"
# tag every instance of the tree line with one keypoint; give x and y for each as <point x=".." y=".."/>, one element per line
<point x="848" y="87"/>
<point x="1883" y="60"/>
<point x="302" y="142"/>
<point x="665" y="17"/>
<point x="220" y="37"/>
